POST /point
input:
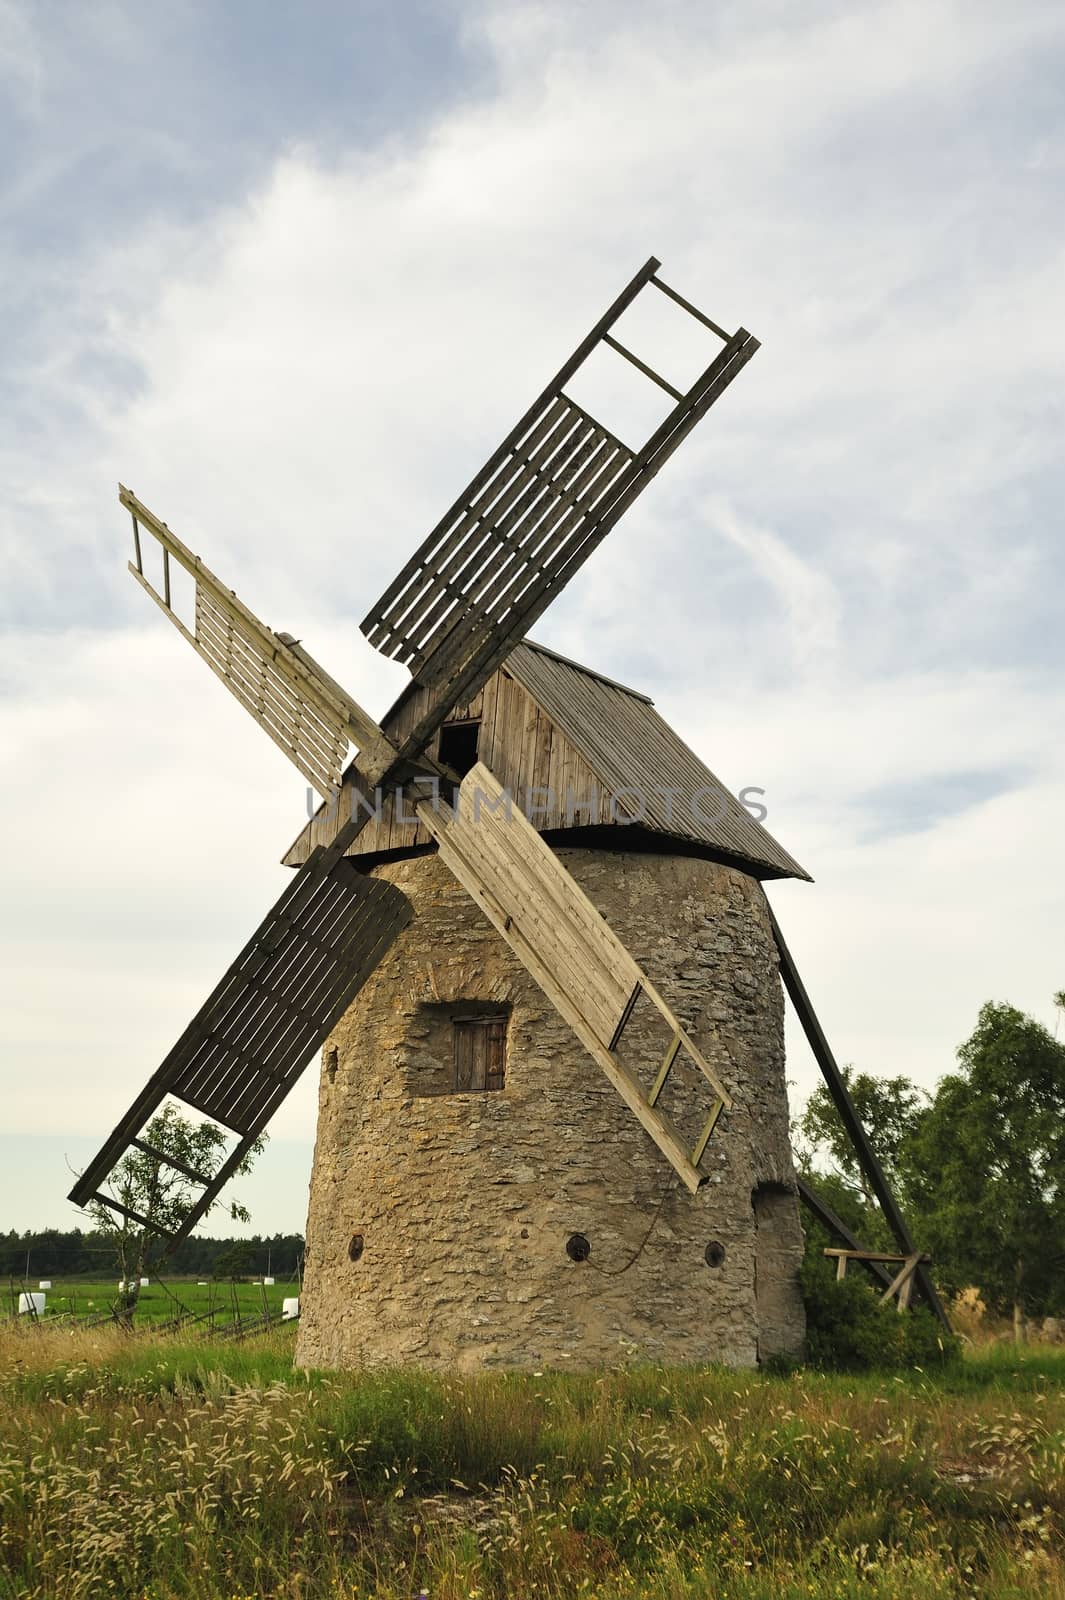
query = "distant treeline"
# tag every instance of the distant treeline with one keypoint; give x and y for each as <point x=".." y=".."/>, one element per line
<point x="79" y="1254"/>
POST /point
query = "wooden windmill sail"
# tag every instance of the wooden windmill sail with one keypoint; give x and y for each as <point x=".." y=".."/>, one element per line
<point x="519" y="531"/>
<point x="513" y="538"/>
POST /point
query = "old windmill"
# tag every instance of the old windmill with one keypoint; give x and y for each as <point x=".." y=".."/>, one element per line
<point x="445" y="948"/>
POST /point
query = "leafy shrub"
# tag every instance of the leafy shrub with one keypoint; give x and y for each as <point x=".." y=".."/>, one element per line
<point x="850" y="1329"/>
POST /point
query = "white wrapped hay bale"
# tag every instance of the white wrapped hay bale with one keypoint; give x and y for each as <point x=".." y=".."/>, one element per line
<point x="31" y="1304"/>
<point x="45" y="1283"/>
<point x="144" y="1283"/>
<point x="268" y="1282"/>
<point x="290" y="1309"/>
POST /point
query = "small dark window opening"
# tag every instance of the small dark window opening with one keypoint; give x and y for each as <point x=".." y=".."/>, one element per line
<point x="458" y="745"/>
<point x="480" y="1051"/>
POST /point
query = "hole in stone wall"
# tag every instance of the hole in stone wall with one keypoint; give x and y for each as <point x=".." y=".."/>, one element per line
<point x="714" y="1254"/>
<point x="356" y="1247"/>
<point x="332" y="1056"/>
<point x="577" y="1247"/>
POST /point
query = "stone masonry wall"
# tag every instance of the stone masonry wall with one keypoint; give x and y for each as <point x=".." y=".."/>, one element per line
<point x="463" y="1203"/>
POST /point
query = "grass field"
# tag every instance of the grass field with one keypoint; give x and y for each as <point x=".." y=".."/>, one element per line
<point x="155" y="1469"/>
<point x="162" y="1300"/>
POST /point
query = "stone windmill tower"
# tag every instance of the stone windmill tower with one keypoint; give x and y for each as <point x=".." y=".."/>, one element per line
<point x="480" y="1193"/>
<point x="553" y="1118"/>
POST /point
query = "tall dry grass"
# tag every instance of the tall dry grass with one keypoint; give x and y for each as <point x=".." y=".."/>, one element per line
<point x="155" y="1470"/>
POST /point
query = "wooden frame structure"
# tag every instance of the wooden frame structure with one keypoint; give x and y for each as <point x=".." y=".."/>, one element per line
<point x="900" y="1286"/>
<point x="538" y="508"/>
<point x="532" y="516"/>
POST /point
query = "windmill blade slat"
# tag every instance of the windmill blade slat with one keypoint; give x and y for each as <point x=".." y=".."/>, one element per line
<point x="260" y="1017"/>
<point x="298" y="910"/>
<point x="490" y="609"/>
<point x="447" y="582"/>
<point x="520" y="548"/>
<point x="530" y="473"/>
<point x="567" y="947"/>
<point x="265" y="693"/>
<point x="302" y="709"/>
<point x="279" y="1000"/>
<point x="478" y="582"/>
<point x="270" y="1026"/>
<point x="472" y="527"/>
<point x="318" y="762"/>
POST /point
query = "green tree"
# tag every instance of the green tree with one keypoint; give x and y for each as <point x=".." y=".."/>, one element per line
<point x="160" y="1193"/>
<point x="236" y="1262"/>
<point x="986" y="1166"/>
<point x="889" y="1109"/>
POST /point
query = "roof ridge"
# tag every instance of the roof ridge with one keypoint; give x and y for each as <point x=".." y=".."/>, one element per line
<point x="568" y="661"/>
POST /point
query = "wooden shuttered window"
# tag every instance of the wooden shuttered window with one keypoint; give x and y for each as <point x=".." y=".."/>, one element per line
<point x="480" y="1047"/>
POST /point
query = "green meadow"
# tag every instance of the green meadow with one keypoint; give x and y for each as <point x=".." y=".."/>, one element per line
<point x="162" y="1468"/>
<point x="162" y="1301"/>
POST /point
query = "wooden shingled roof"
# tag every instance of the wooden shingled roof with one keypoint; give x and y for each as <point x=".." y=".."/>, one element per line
<point x="629" y="744"/>
<point x="603" y="736"/>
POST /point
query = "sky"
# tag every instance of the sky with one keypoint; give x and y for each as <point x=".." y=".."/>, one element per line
<point x="291" y="273"/>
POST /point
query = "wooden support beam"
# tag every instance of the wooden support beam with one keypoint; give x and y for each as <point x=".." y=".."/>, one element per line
<point x="824" y="1213"/>
<point x="134" y="1216"/>
<point x="902" y="1283"/>
<point x="664" y="1070"/>
<point x="641" y="366"/>
<point x="171" y="1161"/>
<point x="837" y="1088"/>
<point x="623" y="1020"/>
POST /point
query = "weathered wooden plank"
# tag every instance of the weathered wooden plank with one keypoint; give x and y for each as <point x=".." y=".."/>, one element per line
<point x="693" y="311"/>
<point x="561" y="938"/>
<point x="641" y="366"/>
<point x="585" y="963"/>
<point x="495" y="1054"/>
